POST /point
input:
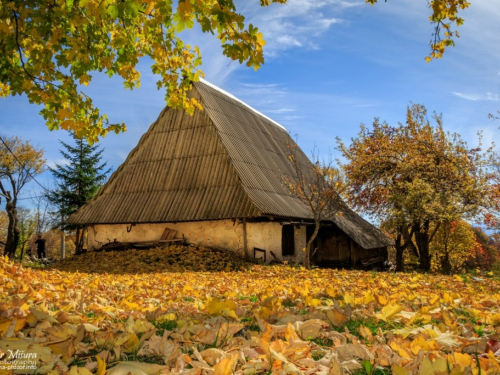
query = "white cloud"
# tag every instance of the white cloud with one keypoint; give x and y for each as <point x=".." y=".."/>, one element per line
<point x="54" y="163"/>
<point x="260" y="91"/>
<point x="260" y="85"/>
<point x="281" y="110"/>
<point x="475" y="97"/>
<point x="491" y="96"/>
<point x="296" y="24"/>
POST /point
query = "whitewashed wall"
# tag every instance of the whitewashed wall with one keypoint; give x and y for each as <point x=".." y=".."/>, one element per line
<point x="226" y="234"/>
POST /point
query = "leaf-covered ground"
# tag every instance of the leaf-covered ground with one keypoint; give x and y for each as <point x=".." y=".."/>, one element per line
<point x="170" y="259"/>
<point x="132" y="316"/>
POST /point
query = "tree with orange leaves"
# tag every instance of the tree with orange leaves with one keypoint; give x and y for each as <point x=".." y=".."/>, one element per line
<point x="492" y="216"/>
<point x="19" y="162"/>
<point x="415" y="177"/>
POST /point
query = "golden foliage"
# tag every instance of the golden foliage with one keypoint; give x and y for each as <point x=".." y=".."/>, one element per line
<point x="19" y="163"/>
<point x="4" y="222"/>
<point x="246" y="322"/>
<point x="48" y="52"/>
<point x="18" y="156"/>
<point x="414" y="174"/>
<point x="452" y="246"/>
<point x="444" y="16"/>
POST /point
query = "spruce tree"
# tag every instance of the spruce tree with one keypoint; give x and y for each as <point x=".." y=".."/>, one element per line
<point x="77" y="182"/>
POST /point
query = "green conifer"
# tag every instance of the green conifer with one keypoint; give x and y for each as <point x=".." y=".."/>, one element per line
<point x="77" y="182"/>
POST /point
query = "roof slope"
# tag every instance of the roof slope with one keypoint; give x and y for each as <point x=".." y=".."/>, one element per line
<point x="179" y="171"/>
<point x="224" y="162"/>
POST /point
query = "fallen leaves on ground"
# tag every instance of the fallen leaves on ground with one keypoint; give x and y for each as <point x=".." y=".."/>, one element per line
<point x="263" y="319"/>
<point x="172" y="259"/>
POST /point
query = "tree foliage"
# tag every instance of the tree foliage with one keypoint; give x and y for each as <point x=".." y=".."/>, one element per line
<point x="4" y="223"/>
<point x="444" y="17"/>
<point x="453" y="245"/>
<point x="51" y="49"/>
<point x="27" y="228"/>
<point x="77" y="182"/>
<point x="492" y="216"/>
<point x="414" y="175"/>
<point x="19" y="162"/>
<point x="484" y="255"/>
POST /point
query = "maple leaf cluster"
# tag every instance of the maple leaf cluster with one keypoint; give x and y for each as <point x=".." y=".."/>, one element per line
<point x="50" y="52"/>
<point x="266" y="319"/>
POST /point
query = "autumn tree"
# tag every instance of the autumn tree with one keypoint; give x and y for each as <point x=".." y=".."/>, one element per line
<point x="453" y="245"/>
<point x="416" y="177"/>
<point x="50" y="50"/>
<point x="19" y="163"/>
<point x="492" y="211"/>
<point x="4" y="223"/>
<point x="27" y="227"/>
<point x="77" y="182"/>
<point x="484" y="255"/>
<point x="318" y="186"/>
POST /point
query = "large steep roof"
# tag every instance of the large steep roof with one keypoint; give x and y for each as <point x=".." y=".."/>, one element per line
<point x="227" y="161"/>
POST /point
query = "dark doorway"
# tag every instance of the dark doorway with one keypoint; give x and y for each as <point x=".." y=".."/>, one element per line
<point x="333" y="248"/>
<point x="287" y="242"/>
<point x="309" y="232"/>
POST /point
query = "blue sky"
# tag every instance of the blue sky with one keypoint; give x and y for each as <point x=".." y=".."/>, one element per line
<point x="330" y="66"/>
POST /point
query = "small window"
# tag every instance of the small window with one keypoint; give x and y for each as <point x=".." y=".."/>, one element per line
<point x="287" y="242"/>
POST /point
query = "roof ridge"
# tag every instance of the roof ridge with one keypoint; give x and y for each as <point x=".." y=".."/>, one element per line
<point x="211" y="85"/>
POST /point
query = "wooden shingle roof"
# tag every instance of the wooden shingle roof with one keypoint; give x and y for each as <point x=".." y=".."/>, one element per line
<point x="227" y="161"/>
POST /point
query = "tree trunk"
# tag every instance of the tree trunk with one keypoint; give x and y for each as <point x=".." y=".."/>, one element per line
<point x="445" y="264"/>
<point x="78" y="249"/>
<point x="82" y="239"/>
<point x="445" y="260"/>
<point x="400" y="265"/>
<point x="422" y="241"/>
<point x="79" y="240"/>
<point x="403" y="241"/>
<point x="13" y="231"/>
<point x="22" y="252"/>
<point x="307" y="261"/>
<point x="413" y="249"/>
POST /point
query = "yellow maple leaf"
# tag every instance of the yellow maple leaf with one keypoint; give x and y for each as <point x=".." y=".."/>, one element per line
<point x="349" y="299"/>
<point x="381" y="299"/>
<point x="439" y="366"/>
<point x="226" y="366"/>
<point x="403" y="352"/>
<point x="398" y="370"/>
<point x="368" y="297"/>
<point x="460" y="359"/>
<point x="224" y="307"/>
<point x="388" y="312"/>
<point x="101" y="366"/>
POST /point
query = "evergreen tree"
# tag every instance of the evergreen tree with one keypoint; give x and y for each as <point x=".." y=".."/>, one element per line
<point x="77" y="183"/>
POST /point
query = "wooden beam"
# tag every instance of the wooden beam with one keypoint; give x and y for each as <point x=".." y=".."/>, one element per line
<point x="245" y="241"/>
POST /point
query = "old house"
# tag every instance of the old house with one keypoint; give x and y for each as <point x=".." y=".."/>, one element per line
<point x="216" y="178"/>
